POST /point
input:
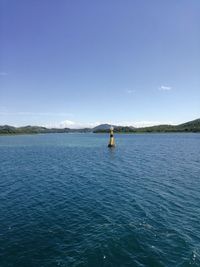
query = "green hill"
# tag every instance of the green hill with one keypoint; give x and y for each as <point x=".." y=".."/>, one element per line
<point x="191" y="126"/>
<point x="6" y="130"/>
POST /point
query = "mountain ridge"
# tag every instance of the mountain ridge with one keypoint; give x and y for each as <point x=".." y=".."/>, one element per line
<point x="190" y="126"/>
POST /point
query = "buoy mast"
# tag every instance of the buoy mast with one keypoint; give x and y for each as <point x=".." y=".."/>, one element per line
<point x="112" y="140"/>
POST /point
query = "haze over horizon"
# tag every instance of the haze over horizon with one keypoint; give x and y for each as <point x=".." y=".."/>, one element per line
<point x="80" y="64"/>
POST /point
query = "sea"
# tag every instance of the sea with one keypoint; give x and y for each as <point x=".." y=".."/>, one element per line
<point x="68" y="200"/>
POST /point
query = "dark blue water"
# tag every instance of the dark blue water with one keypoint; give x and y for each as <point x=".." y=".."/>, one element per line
<point x="68" y="200"/>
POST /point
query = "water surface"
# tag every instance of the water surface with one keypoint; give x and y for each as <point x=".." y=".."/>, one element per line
<point x="68" y="200"/>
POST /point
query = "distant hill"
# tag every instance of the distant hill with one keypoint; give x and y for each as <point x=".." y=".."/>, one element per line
<point x="191" y="126"/>
<point x="103" y="127"/>
<point x="106" y="128"/>
<point x="6" y="129"/>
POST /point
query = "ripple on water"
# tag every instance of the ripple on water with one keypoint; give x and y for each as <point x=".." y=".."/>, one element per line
<point x="66" y="200"/>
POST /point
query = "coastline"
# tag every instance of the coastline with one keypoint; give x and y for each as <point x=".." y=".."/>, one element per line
<point x="187" y="127"/>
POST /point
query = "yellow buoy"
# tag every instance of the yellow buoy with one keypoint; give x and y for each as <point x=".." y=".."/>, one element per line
<point x="112" y="140"/>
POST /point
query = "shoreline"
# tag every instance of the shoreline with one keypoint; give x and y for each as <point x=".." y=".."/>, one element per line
<point x="103" y="133"/>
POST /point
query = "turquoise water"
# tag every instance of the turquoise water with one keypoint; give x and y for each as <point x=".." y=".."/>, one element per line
<point x="68" y="200"/>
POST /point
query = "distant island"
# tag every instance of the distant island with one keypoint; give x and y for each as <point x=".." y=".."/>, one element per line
<point x="191" y="126"/>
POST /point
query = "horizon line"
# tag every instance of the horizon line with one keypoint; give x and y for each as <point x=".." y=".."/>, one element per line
<point x="96" y="125"/>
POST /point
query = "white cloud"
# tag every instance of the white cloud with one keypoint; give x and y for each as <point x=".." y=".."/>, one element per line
<point x="79" y="125"/>
<point x="130" y="91"/>
<point x="67" y="124"/>
<point x="76" y="125"/>
<point x="43" y="116"/>
<point x="140" y="123"/>
<point x="150" y="123"/>
<point x="165" y="88"/>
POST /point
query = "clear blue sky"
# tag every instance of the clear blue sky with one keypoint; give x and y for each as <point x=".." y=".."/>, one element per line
<point x="75" y="62"/>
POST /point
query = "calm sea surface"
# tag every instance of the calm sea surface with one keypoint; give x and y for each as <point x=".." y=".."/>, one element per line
<point x="68" y="200"/>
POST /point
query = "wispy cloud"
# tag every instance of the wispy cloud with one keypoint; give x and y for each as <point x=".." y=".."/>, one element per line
<point x="150" y="123"/>
<point x="3" y="73"/>
<point x="140" y="123"/>
<point x="165" y="88"/>
<point x="78" y="125"/>
<point x="130" y="91"/>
